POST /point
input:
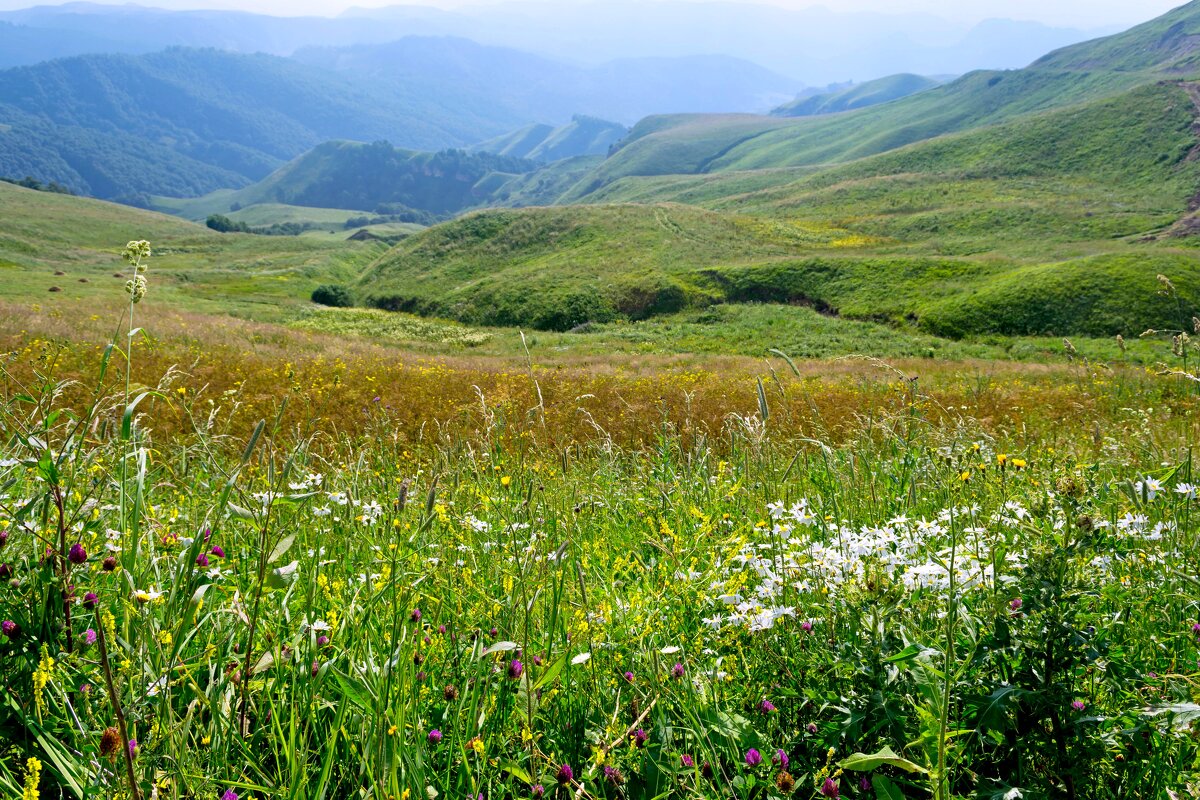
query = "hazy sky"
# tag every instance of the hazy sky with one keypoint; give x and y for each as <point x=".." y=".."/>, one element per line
<point x="1084" y="14"/>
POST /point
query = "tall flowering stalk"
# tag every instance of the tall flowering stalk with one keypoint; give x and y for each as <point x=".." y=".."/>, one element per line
<point x="135" y="254"/>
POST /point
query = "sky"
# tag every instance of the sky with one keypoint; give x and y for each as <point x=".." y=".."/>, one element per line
<point x="1082" y="14"/>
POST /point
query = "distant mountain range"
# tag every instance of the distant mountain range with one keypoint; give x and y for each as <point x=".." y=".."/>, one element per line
<point x="815" y="46"/>
<point x="184" y="122"/>
<point x="545" y="90"/>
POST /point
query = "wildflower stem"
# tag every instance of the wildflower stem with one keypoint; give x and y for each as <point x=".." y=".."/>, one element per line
<point x="122" y="729"/>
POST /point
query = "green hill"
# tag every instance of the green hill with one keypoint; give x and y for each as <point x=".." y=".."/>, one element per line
<point x="862" y="95"/>
<point x="555" y="268"/>
<point x="694" y="144"/>
<point x="376" y="177"/>
<point x="922" y="235"/>
<point x="582" y="136"/>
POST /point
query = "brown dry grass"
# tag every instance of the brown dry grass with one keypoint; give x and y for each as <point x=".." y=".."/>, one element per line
<point x="243" y="370"/>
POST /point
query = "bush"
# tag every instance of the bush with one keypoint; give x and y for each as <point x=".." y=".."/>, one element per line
<point x="331" y="294"/>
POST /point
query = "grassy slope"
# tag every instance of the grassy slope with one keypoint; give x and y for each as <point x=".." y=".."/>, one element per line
<point x="260" y="277"/>
<point x="870" y="93"/>
<point x="913" y="235"/>
<point x="707" y="143"/>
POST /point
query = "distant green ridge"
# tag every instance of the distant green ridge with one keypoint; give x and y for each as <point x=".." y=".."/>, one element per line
<point x="862" y="95"/>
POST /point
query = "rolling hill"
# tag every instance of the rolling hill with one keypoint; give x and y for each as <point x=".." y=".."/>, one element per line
<point x="861" y="95"/>
<point x="679" y="144"/>
<point x="372" y="177"/>
<point x="582" y="136"/>
<point x="1051" y="223"/>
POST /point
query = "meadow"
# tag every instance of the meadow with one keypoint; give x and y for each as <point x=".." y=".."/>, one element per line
<point x="243" y="560"/>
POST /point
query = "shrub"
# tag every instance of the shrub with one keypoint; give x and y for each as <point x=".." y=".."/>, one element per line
<point x="332" y="294"/>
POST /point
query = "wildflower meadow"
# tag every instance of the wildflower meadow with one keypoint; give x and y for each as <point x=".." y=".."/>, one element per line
<point x="933" y="598"/>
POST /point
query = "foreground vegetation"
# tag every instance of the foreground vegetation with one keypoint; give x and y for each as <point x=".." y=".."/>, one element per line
<point x="274" y="571"/>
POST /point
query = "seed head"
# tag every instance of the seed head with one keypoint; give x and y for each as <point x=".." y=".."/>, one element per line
<point x="110" y="743"/>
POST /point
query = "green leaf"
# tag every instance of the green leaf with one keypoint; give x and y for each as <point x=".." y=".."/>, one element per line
<point x="863" y="762"/>
<point x="1182" y="714"/>
<point x="283" y="577"/>
<point x="907" y="654"/>
<point x="885" y="789"/>
<point x="514" y="769"/>
<point x="552" y="672"/>
<point x="280" y="549"/>
<point x="127" y="417"/>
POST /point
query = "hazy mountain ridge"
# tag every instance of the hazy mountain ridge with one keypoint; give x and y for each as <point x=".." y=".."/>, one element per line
<point x="816" y="46"/>
<point x="542" y="89"/>
<point x="184" y="122"/>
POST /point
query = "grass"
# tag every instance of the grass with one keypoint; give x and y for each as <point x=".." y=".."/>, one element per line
<point x="419" y="577"/>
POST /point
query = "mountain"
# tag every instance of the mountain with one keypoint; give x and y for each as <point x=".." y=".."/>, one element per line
<point x="538" y="88"/>
<point x="20" y="44"/>
<point x="184" y="122"/>
<point x="375" y="177"/>
<point x="861" y="95"/>
<point x="814" y="45"/>
<point x="582" y="136"/>
<point x="675" y="144"/>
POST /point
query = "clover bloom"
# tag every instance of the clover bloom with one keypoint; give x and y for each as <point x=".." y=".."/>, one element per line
<point x="515" y="668"/>
<point x="230" y="794"/>
<point x="8" y="628"/>
<point x="629" y="677"/>
<point x="202" y="560"/>
<point x="830" y="788"/>
<point x="415" y="616"/>
<point x="753" y="757"/>
<point x="89" y="600"/>
<point x="565" y="774"/>
<point x="640" y="738"/>
<point x="766" y="706"/>
<point x="435" y="736"/>
<point x="217" y="552"/>
<point x="687" y="761"/>
<point x="77" y="555"/>
<point x="781" y="759"/>
<point x="677" y="670"/>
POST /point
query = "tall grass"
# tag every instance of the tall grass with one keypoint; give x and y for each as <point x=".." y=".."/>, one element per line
<point x="919" y="601"/>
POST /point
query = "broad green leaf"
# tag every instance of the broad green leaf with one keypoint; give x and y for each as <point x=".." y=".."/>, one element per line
<point x="885" y="789"/>
<point x="280" y="549"/>
<point x="863" y="762"/>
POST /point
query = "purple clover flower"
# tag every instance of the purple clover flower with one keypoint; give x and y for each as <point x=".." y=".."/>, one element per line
<point x="753" y="757"/>
<point x="77" y="555"/>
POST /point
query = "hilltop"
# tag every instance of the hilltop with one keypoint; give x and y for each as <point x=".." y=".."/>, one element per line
<point x="582" y="136"/>
<point x="696" y="144"/>
<point x="1005" y="218"/>
<point x="860" y="95"/>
